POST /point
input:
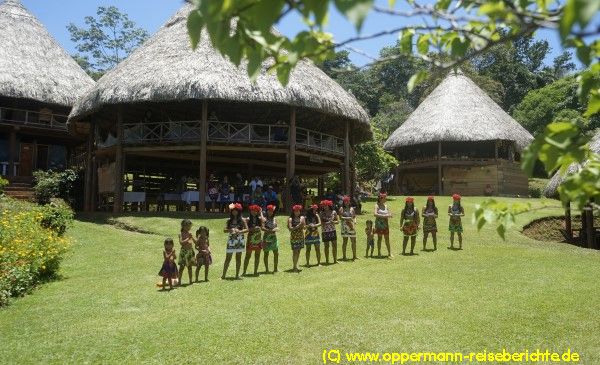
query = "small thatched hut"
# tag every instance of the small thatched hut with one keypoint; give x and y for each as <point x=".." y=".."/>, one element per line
<point x="169" y="111"/>
<point x="39" y="82"/>
<point x="459" y="140"/>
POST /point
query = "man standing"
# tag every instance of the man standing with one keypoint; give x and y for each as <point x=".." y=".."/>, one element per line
<point x="255" y="183"/>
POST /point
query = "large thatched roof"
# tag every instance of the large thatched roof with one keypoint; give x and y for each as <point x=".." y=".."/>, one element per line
<point x="165" y="69"/>
<point x="32" y="64"/>
<point x="552" y="187"/>
<point x="458" y="110"/>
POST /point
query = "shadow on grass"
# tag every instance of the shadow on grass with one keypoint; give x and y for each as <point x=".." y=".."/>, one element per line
<point x="454" y="248"/>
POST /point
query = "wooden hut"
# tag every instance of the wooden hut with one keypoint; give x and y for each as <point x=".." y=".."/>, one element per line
<point x="167" y="112"/>
<point x="39" y="83"/>
<point x="588" y="235"/>
<point x="458" y="140"/>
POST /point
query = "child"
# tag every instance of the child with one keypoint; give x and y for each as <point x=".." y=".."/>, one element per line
<point x="213" y="194"/>
<point x="348" y="223"/>
<point x="430" y="213"/>
<point x="168" y="271"/>
<point x="203" y="257"/>
<point x="254" y="242"/>
<point x="236" y="228"/>
<point x="270" y="238"/>
<point x="329" y="219"/>
<point x="370" y="232"/>
<point x="313" y="222"/>
<point x="409" y="221"/>
<point x="455" y="211"/>
<point x="187" y="241"/>
<point x="296" y="225"/>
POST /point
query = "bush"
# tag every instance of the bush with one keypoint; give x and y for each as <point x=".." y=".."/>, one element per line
<point x="3" y="184"/>
<point x="50" y="184"/>
<point x="535" y="192"/>
<point x="31" y="245"/>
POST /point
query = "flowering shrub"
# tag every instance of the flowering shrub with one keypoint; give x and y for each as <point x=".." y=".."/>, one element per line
<point x="30" y="250"/>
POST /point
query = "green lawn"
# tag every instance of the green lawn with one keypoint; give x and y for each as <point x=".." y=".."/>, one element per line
<point x="519" y="294"/>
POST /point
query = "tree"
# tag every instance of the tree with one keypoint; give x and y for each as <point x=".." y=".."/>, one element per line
<point x="371" y="160"/>
<point x="105" y="40"/>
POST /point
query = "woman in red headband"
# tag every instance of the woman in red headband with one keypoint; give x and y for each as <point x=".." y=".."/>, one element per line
<point x="236" y="228"/>
<point x="382" y="226"/>
<point x="312" y="238"/>
<point x="430" y="214"/>
<point x="254" y="242"/>
<point x="296" y="226"/>
<point x="348" y="218"/>
<point x="328" y="221"/>
<point x="270" y="238"/>
<point x="409" y="220"/>
<point x="455" y="211"/>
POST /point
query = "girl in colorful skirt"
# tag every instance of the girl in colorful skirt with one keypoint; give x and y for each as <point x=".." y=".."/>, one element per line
<point x="255" y="242"/>
<point x="348" y="218"/>
<point x="270" y="238"/>
<point x="382" y="226"/>
<point x="409" y="221"/>
<point x="455" y="211"/>
<point x="236" y="228"/>
<point x="203" y="257"/>
<point x="370" y="232"/>
<point x="312" y="238"/>
<point x="168" y="271"/>
<point x="430" y="214"/>
<point x="328" y="221"/>
<point x="296" y="225"/>
<point x="187" y="258"/>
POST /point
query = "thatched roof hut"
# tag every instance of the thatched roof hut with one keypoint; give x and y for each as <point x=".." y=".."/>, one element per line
<point x="551" y="189"/>
<point x="33" y="65"/>
<point x="165" y="69"/>
<point x="458" y="111"/>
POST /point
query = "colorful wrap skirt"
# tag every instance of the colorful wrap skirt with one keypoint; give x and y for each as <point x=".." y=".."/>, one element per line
<point x="270" y="242"/>
<point x="348" y="230"/>
<point x="255" y="242"/>
<point x="329" y="236"/>
<point x="312" y="236"/>
<point x="382" y="226"/>
<point x="236" y="243"/>
<point x="203" y="259"/>
<point x="168" y="270"/>
<point x="410" y="228"/>
<point x="455" y="225"/>
<point x="429" y="225"/>
<point x="297" y="239"/>
<point x="187" y="257"/>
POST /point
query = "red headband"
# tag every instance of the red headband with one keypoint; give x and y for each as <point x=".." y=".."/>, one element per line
<point x="382" y="195"/>
<point x="314" y="206"/>
<point x="410" y="199"/>
<point x="346" y="199"/>
<point x="326" y="203"/>
<point x="271" y="207"/>
<point x="254" y="208"/>
<point x="430" y="197"/>
<point x="297" y="207"/>
<point x="236" y="206"/>
<point x="455" y="197"/>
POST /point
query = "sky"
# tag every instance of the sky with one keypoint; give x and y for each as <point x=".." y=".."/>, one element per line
<point x="152" y="14"/>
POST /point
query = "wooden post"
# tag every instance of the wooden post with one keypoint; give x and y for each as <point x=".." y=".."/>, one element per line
<point x="291" y="158"/>
<point x="94" y="185"/>
<point x="320" y="186"/>
<point x="439" y="158"/>
<point x="12" y="146"/>
<point x="118" y="193"/>
<point x="87" y="205"/>
<point x="347" y="152"/>
<point x="589" y="226"/>
<point x="568" y="222"/>
<point x="203" y="143"/>
<point x="496" y="150"/>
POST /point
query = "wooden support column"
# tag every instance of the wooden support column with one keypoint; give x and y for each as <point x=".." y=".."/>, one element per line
<point x="589" y="226"/>
<point x="568" y="222"/>
<point x="203" y="144"/>
<point x="291" y="158"/>
<point x="320" y="186"/>
<point x="439" y="168"/>
<point x="88" y="191"/>
<point x="12" y="147"/>
<point x="119" y="164"/>
<point x="347" y="152"/>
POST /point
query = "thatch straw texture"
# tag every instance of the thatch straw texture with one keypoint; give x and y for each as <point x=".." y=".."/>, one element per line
<point x="459" y="111"/>
<point x="165" y="69"/>
<point x="551" y="190"/>
<point x="32" y="64"/>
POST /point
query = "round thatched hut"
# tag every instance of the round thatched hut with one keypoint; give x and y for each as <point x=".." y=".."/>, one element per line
<point x="39" y="83"/>
<point x="459" y="140"/>
<point x="169" y="111"/>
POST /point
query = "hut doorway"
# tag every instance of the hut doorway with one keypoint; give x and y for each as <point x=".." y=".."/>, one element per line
<point x="418" y="182"/>
<point x="26" y="159"/>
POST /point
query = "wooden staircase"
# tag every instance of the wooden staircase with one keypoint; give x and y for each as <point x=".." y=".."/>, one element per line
<point x="20" y="188"/>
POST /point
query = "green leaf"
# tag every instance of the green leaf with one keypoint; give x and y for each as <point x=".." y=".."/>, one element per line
<point x="593" y="104"/>
<point x="283" y="74"/>
<point x="416" y="79"/>
<point x="354" y="10"/>
<point x="195" y="23"/>
<point x="319" y="8"/>
<point x="406" y="38"/>
<point x="567" y="19"/>
<point x="442" y="4"/>
<point x="263" y="14"/>
<point x="423" y="43"/>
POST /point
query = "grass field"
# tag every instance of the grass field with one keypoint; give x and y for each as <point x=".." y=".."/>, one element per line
<point x="519" y="294"/>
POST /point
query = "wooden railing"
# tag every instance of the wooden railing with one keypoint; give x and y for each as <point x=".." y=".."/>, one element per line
<point x="32" y="118"/>
<point x="244" y="133"/>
